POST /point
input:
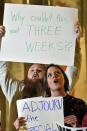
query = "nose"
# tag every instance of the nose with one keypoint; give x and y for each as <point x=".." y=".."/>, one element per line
<point x="36" y="71"/>
<point x="55" y="75"/>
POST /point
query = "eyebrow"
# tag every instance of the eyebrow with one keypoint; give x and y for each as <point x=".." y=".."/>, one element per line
<point x="37" y="67"/>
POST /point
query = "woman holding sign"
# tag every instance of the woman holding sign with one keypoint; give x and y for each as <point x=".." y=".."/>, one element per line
<point x="56" y="84"/>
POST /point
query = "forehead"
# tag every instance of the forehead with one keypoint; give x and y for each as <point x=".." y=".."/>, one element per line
<point x="53" y="68"/>
<point x="37" y="66"/>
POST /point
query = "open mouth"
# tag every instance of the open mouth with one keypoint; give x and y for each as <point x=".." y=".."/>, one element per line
<point x="55" y="81"/>
<point x="35" y="76"/>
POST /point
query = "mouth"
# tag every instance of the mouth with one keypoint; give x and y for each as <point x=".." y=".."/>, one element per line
<point x="55" y="81"/>
<point x="35" y="76"/>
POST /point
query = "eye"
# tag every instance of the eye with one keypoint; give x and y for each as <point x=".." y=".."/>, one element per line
<point x="57" y="72"/>
<point x="32" y="70"/>
<point x="49" y="75"/>
<point x="39" y="70"/>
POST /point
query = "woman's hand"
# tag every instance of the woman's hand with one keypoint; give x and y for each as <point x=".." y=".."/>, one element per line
<point x="19" y="122"/>
<point x="2" y="31"/>
<point x="78" y="33"/>
<point x="71" y="120"/>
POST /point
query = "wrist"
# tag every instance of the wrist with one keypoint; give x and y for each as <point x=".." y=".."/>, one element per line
<point x="77" y="45"/>
<point x="77" y="49"/>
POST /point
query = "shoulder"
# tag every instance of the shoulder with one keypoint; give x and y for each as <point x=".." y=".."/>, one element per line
<point x="74" y="100"/>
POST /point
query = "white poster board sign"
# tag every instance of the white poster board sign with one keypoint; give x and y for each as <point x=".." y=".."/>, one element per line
<point x="66" y="128"/>
<point x="39" y="34"/>
<point x="41" y="113"/>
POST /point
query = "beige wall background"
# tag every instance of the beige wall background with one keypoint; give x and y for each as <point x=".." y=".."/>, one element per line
<point x="18" y="69"/>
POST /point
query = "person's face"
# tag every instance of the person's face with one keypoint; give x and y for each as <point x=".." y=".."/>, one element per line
<point x="55" y="79"/>
<point x="36" y="71"/>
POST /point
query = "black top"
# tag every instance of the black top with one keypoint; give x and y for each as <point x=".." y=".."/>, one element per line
<point x="74" y="106"/>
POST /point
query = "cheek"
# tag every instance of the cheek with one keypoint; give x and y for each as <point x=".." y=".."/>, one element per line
<point x="62" y="80"/>
<point x="29" y="75"/>
<point x="49" y="83"/>
<point x="41" y="75"/>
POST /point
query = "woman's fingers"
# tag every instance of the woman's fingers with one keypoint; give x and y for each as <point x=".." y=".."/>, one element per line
<point x="77" y="30"/>
<point x="19" y="122"/>
<point x="70" y="119"/>
<point x="22" y="123"/>
<point x="2" y="31"/>
<point x="21" y="118"/>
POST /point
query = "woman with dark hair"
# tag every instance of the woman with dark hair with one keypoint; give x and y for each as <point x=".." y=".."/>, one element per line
<point x="66" y="84"/>
<point x="56" y="84"/>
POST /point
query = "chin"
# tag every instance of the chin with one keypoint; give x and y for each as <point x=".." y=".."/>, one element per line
<point x="58" y="88"/>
